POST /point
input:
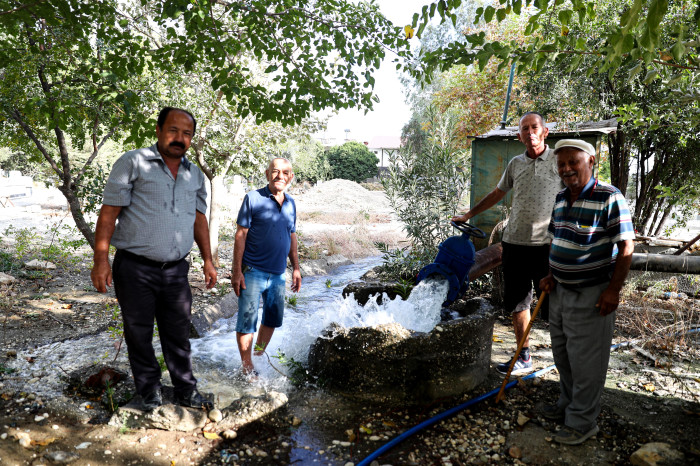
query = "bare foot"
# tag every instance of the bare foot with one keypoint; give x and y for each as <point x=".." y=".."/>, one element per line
<point x="248" y="367"/>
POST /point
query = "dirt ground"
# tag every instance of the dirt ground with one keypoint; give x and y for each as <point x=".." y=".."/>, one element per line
<point x="652" y="392"/>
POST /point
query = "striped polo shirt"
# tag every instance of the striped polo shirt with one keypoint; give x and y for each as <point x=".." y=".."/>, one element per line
<point x="584" y="234"/>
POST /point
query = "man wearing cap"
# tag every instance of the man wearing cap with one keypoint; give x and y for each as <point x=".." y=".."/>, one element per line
<point x="533" y="178"/>
<point x="590" y="256"/>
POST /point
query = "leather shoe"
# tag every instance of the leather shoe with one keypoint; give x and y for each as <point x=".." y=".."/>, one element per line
<point x="194" y="399"/>
<point x="152" y="400"/>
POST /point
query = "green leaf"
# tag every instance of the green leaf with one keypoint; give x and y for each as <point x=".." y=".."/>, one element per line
<point x="517" y="5"/>
<point x="678" y="50"/>
<point x="500" y="14"/>
<point x="634" y="71"/>
<point x="488" y="13"/>
<point x="650" y="76"/>
<point x="565" y="17"/>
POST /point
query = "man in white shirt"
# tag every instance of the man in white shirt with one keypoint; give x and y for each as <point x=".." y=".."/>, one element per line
<point x="535" y="182"/>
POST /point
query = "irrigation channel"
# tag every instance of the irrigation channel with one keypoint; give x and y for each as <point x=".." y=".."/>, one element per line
<point x="319" y="304"/>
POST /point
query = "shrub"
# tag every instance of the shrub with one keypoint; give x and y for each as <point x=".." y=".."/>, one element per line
<point x="352" y="161"/>
<point x="424" y="189"/>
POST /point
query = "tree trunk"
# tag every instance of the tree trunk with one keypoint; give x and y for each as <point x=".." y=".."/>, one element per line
<point x="619" y="160"/>
<point x="217" y="191"/>
<point x="664" y="219"/>
<point x="77" y="214"/>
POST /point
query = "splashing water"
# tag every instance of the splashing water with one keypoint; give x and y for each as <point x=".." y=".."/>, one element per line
<point x="218" y="351"/>
<point x="215" y="356"/>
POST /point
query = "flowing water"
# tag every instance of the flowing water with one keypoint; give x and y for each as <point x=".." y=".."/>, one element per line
<point x="319" y="304"/>
<point x="215" y="356"/>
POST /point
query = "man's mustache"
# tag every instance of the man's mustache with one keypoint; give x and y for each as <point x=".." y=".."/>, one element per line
<point x="177" y="144"/>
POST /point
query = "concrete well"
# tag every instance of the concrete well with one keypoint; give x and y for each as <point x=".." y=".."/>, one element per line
<point x="389" y="361"/>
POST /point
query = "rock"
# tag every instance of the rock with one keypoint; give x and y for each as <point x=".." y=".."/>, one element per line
<point x="522" y="419"/>
<point x="83" y="445"/>
<point x="215" y="415"/>
<point x="167" y="417"/>
<point x="363" y="291"/>
<point x="250" y="408"/>
<point x="296" y="421"/>
<point x="5" y="278"/>
<point x="391" y="362"/>
<point x="36" y="264"/>
<point x="204" y="317"/>
<point x="24" y="439"/>
<point x="61" y="457"/>
<point x="229" y="434"/>
<point x="515" y="452"/>
<point x="657" y="453"/>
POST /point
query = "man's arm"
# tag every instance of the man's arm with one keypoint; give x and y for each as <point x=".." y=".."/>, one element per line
<point x="101" y="273"/>
<point x="294" y="259"/>
<point x="610" y="298"/>
<point x="237" y="278"/>
<point x="201" y="237"/>
<point x="486" y="203"/>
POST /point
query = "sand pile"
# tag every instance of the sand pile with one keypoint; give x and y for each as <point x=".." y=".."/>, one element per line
<point x="341" y="195"/>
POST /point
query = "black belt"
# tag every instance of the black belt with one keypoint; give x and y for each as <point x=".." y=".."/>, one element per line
<point x="149" y="262"/>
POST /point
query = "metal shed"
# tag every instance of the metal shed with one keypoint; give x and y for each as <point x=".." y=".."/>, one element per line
<point x="492" y="151"/>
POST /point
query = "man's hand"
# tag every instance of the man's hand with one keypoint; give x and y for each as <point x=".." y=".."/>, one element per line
<point x="210" y="274"/>
<point x="101" y="275"/>
<point x="547" y="284"/>
<point x="296" y="281"/>
<point x="608" y="301"/>
<point x="237" y="281"/>
<point x="462" y="218"/>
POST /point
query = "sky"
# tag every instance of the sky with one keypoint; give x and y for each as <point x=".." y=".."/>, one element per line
<point x="391" y="113"/>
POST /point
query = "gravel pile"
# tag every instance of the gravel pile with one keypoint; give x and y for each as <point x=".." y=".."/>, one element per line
<point x="341" y="195"/>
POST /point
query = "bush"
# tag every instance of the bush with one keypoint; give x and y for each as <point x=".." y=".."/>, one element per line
<point x="424" y="189"/>
<point x="308" y="159"/>
<point x="352" y="161"/>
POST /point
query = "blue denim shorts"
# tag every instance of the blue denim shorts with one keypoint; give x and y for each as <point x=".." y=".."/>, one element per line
<point x="268" y="285"/>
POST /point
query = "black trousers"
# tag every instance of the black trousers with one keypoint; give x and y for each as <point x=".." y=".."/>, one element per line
<point x="523" y="268"/>
<point x="146" y="293"/>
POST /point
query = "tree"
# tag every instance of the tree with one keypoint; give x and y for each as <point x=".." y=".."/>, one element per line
<point x="308" y="159"/>
<point x="352" y="161"/>
<point x="78" y="70"/>
<point x="424" y="188"/>
<point x="71" y="73"/>
<point x="654" y="34"/>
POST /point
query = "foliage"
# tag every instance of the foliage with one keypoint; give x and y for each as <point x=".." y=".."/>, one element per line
<point x="298" y="374"/>
<point x="424" y="189"/>
<point x="352" y="161"/>
<point x="656" y="36"/>
<point x="650" y="149"/>
<point x="400" y="263"/>
<point x="308" y="159"/>
<point x="76" y="71"/>
<point x="292" y="300"/>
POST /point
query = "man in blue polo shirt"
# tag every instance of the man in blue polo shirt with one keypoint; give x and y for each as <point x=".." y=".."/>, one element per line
<point x="590" y="256"/>
<point x="265" y="237"/>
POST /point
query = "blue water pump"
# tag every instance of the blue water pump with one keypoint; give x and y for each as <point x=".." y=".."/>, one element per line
<point x="453" y="261"/>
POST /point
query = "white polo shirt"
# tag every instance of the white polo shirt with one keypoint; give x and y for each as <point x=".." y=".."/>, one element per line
<point x="535" y="184"/>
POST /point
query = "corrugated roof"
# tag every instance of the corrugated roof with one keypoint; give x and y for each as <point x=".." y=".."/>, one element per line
<point x="605" y="126"/>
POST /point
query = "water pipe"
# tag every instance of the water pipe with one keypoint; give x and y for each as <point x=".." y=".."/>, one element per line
<point x="444" y="415"/>
<point x="452" y="411"/>
<point x="510" y="88"/>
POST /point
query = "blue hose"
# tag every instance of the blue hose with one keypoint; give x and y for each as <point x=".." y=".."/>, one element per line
<point x="452" y="411"/>
<point x="443" y="415"/>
